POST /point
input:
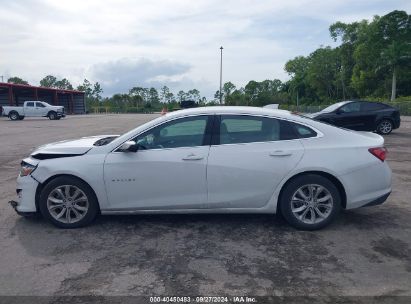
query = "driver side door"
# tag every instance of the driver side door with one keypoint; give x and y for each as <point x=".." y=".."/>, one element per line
<point x="349" y="116"/>
<point x="41" y="109"/>
<point x="167" y="172"/>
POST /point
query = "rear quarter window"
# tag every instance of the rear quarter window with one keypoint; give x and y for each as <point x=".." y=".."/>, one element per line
<point x="293" y="130"/>
<point x="304" y="131"/>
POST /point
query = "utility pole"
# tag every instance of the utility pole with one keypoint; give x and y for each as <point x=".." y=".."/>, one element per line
<point x="221" y="75"/>
<point x="2" y="78"/>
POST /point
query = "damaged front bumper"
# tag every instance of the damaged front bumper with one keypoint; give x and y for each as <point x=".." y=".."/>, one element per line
<point x="14" y="204"/>
<point x="25" y="204"/>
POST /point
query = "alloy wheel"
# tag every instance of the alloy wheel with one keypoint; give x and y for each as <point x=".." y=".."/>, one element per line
<point x="312" y="203"/>
<point x="67" y="204"/>
<point x="385" y="127"/>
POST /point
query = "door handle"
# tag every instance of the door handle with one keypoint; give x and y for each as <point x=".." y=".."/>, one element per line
<point x="193" y="156"/>
<point x="280" y="153"/>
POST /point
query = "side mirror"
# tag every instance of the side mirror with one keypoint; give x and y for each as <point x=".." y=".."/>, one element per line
<point x="128" y="146"/>
<point x="339" y="111"/>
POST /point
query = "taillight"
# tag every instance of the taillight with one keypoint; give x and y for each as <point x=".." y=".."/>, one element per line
<point x="380" y="153"/>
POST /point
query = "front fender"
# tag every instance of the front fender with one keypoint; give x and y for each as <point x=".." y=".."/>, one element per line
<point x="88" y="168"/>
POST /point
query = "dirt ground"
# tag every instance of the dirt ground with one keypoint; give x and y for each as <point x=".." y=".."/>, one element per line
<point x="365" y="252"/>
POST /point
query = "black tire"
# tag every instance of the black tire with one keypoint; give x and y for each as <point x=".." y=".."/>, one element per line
<point x="87" y="217"/>
<point x="385" y="127"/>
<point x="21" y="117"/>
<point x="52" y="115"/>
<point x="58" y="118"/>
<point x="13" y="115"/>
<point x="290" y="192"/>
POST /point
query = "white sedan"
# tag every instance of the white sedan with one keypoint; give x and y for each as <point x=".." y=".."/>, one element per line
<point x="209" y="160"/>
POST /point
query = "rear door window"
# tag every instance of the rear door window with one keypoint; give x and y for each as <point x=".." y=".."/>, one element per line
<point x="372" y="106"/>
<point x="236" y="129"/>
<point x="30" y="104"/>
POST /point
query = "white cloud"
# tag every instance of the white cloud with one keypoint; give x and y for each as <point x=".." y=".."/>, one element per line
<point x="79" y="38"/>
<point x="120" y="75"/>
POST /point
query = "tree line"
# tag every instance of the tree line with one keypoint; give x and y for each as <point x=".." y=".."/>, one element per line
<point x="372" y="61"/>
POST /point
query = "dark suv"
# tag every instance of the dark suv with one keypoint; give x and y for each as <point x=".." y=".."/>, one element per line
<point x="361" y="116"/>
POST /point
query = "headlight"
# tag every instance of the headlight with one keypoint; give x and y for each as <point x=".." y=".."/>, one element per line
<point x="26" y="169"/>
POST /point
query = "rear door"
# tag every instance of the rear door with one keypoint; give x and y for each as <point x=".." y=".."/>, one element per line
<point x="29" y="108"/>
<point x="370" y="112"/>
<point x="249" y="157"/>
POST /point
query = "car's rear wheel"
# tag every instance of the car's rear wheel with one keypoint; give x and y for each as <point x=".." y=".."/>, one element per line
<point x="385" y="127"/>
<point x="68" y="202"/>
<point x="14" y="115"/>
<point x="21" y="117"/>
<point x="310" y="202"/>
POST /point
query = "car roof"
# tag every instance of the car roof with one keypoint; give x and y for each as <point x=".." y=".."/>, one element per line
<point x="360" y="100"/>
<point x="230" y="110"/>
<point x="318" y="126"/>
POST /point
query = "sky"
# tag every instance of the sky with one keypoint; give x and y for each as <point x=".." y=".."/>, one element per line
<point x="127" y="43"/>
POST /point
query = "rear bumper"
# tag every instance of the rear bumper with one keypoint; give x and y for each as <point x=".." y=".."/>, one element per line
<point x="367" y="186"/>
<point x="397" y="123"/>
<point x="378" y="201"/>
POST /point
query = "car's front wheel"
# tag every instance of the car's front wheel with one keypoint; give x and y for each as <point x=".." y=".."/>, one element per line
<point x="52" y="115"/>
<point x="310" y="202"/>
<point x="385" y="127"/>
<point x="68" y="202"/>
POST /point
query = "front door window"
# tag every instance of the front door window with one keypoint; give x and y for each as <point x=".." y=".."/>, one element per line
<point x="184" y="132"/>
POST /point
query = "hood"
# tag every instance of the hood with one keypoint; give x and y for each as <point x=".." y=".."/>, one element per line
<point x="313" y="115"/>
<point x="68" y="148"/>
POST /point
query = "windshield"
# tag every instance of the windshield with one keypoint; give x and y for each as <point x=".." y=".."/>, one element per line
<point x="334" y="107"/>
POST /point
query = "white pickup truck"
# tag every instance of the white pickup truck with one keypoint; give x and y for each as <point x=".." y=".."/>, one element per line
<point x="34" y="109"/>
